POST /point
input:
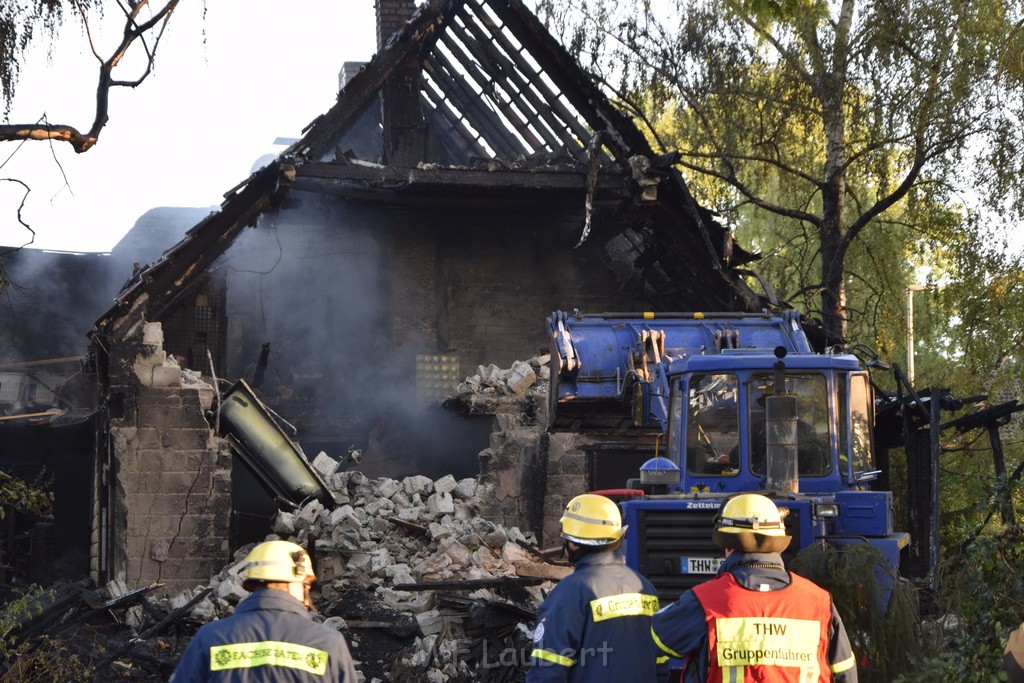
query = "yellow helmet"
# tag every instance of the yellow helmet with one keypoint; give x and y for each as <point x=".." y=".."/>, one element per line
<point x="593" y="520"/>
<point x="277" y="561"/>
<point x="752" y="523"/>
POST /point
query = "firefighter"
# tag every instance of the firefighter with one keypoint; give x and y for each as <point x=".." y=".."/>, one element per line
<point x="595" y="625"/>
<point x="270" y="637"/>
<point x="755" y="621"/>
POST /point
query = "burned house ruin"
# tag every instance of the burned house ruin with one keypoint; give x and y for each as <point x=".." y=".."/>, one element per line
<point x="469" y="180"/>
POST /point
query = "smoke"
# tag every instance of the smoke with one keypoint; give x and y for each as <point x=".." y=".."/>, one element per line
<point x="51" y="302"/>
<point x="344" y="323"/>
<point x="54" y="299"/>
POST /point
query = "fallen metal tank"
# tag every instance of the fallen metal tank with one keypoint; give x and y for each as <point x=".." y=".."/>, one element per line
<point x="264" y="447"/>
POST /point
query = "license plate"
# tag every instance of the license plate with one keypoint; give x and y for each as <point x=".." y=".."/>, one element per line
<point x="700" y="565"/>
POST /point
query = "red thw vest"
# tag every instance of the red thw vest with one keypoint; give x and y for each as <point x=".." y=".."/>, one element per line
<point x="779" y="635"/>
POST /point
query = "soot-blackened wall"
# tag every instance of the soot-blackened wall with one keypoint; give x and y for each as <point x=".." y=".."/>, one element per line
<point x="373" y="314"/>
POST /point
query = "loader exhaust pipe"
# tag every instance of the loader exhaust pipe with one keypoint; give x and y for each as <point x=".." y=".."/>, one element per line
<point x="780" y="415"/>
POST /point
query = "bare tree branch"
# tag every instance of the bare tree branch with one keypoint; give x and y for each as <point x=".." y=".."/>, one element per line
<point x="20" y="218"/>
<point x="133" y="31"/>
<point x="753" y="197"/>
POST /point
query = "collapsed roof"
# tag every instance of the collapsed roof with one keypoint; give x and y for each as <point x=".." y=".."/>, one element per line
<point x="474" y="103"/>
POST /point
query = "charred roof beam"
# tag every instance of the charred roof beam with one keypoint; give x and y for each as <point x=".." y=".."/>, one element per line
<point x="578" y="88"/>
<point x="394" y="177"/>
<point x="446" y="119"/>
<point x="451" y="82"/>
<point x="203" y="244"/>
<point x="524" y="97"/>
<point x="506" y="105"/>
<point x="552" y="98"/>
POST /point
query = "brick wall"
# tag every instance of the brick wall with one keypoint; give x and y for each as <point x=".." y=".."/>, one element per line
<point x="348" y="294"/>
<point x="482" y="283"/>
<point x="511" y="469"/>
<point x="566" y="478"/>
<point x="171" y="489"/>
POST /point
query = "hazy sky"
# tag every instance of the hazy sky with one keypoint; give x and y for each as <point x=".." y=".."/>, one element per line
<point x="224" y="88"/>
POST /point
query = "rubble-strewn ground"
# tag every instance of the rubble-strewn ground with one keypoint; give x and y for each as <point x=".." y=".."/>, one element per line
<point x="411" y="573"/>
<point x="422" y="586"/>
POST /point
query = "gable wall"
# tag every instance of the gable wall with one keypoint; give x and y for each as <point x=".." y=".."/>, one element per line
<point x="350" y="295"/>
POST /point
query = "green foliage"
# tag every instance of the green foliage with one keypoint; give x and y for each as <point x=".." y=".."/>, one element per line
<point x="34" y="498"/>
<point x="36" y="659"/>
<point x="982" y="587"/>
<point x="21" y="608"/>
<point x="20" y="21"/>
<point x="772" y="11"/>
<point x="886" y="642"/>
<point x="39" y="658"/>
<point x="48" y="660"/>
<point x="818" y="124"/>
<point x="905" y="116"/>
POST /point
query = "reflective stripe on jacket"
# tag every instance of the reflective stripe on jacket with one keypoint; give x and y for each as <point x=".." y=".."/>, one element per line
<point x="270" y="637"/>
<point x="595" y="625"/>
<point x="777" y="635"/>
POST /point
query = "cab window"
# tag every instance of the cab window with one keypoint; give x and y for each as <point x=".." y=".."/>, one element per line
<point x="712" y="425"/>
<point x="855" y="455"/>
<point x="812" y="435"/>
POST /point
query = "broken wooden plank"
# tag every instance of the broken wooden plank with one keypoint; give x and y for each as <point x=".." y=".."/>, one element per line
<point x="92" y="598"/>
<point x="47" y="413"/>
<point x="543" y="555"/>
<point x="355" y="623"/>
<point x="152" y="630"/>
<point x="36" y="363"/>
<point x="549" y="572"/>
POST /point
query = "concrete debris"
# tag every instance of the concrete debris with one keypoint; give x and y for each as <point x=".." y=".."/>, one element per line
<point x="516" y="380"/>
<point x="399" y="533"/>
<point x="465" y="489"/>
<point x="194" y="379"/>
<point x="325" y="465"/>
<point x="520" y="378"/>
<point x="417" y="572"/>
<point x="158" y="549"/>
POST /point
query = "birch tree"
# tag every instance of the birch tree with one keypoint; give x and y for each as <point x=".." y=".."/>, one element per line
<point x="828" y="115"/>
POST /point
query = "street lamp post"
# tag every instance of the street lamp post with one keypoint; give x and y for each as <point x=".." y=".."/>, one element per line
<point x="910" y="329"/>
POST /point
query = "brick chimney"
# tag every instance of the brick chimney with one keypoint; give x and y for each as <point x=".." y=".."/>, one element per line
<point x="403" y="127"/>
<point x="391" y="16"/>
<point x="348" y="72"/>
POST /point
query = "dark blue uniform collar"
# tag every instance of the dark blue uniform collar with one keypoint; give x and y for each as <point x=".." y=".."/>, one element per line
<point x="740" y="558"/>
<point x="604" y="557"/>
<point x="273" y="599"/>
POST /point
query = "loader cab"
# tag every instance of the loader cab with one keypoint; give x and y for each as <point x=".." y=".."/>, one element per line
<point x="717" y="430"/>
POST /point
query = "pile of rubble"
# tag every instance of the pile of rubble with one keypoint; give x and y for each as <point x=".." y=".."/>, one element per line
<point x="410" y="562"/>
<point x="491" y="388"/>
